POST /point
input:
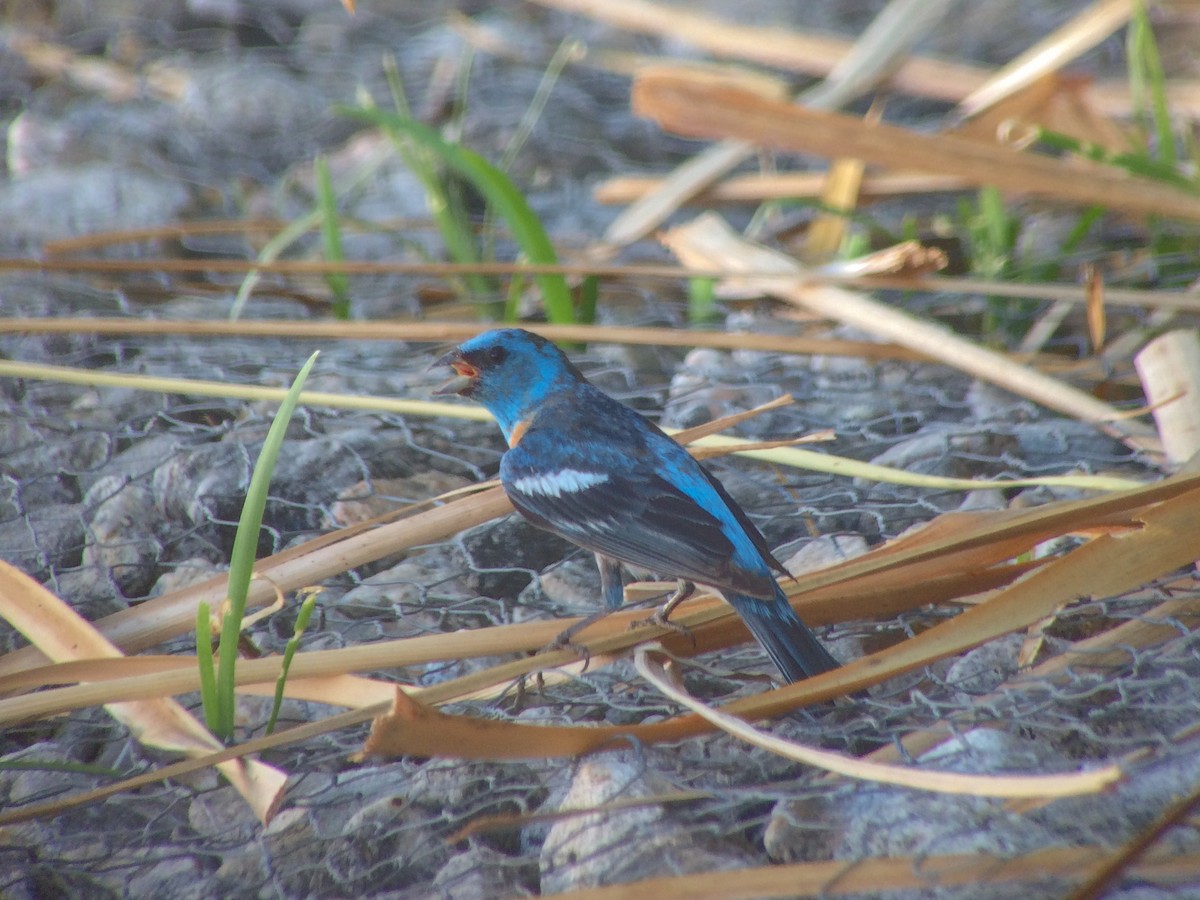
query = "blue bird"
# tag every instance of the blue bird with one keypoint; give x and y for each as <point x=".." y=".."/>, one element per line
<point x="597" y="473"/>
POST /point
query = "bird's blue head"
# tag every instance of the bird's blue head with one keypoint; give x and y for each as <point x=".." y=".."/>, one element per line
<point x="510" y="371"/>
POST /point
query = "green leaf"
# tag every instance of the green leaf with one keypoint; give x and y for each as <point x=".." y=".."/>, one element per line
<point x="302" y="618"/>
<point x="204" y="660"/>
<point x="245" y="549"/>
<point x="500" y="193"/>
<point x="331" y="233"/>
<point x="702" y="299"/>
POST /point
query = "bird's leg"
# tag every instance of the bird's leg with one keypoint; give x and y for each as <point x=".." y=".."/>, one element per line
<point x="683" y="590"/>
<point x="564" y="637"/>
<point x="564" y="640"/>
<point x="612" y="586"/>
<point x="612" y="591"/>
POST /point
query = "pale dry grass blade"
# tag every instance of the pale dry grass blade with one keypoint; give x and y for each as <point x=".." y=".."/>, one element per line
<point x="759" y="188"/>
<point x="908" y="259"/>
<point x="1113" y="98"/>
<point x="1108" y="650"/>
<point x="708" y="241"/>
<point x="840" y="197"/>
<point x="883" y="876"/>
<point x="877" y="52"/>
<point x="1142" y="535"/>
<point x="704" y="108"/>
<point x="846" y="467"/>
<point x="1097" y="317"/>
<point x="818" y="54"/>
<point x="441" y="333"/>
<point x="1169" y="369"/>
<point x="710" y="445"/>
<point x="62" y="634"/>
<point x="202" y="388"/>
<point x="1083" y="32"/>
<point x="169" y="615"/>
<point x="1065" y="785"/>
<point x="333" y="689"/>
<point x="811" y="54"/>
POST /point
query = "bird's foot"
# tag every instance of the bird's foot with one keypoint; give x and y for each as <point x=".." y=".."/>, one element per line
<point x="661" y="616"/>
<point x="564" y="642"/>
<point x="566" y="637"/>
<point x="661" y="621"/>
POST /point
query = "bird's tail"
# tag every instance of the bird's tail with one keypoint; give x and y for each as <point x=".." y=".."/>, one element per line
<point x="787" y="640"/>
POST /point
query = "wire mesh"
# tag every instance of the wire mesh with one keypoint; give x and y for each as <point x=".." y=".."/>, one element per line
<point x="110" y="496"/>
<point x="176" y="465"/>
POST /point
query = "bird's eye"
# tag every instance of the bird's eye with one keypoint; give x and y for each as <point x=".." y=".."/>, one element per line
<point x="497" y="354"/>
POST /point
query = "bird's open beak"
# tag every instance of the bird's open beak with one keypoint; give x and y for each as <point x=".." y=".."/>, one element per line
<point x="464" y="373"/>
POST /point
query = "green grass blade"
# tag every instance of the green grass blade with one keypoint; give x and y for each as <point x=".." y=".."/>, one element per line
<point x="269" y="253"/>
<point x="208" y="674"/>
<point x="245" y="549"/>
<point x="512" y="303"/>
<point x="1141" y="164"/>
<point x="568" y="49"/>
<point x="589" y="296"/>
<point x="445" y="205"/>
<point x="302" y="619"/>
<point x="702" y="299"/>
<point x="331" y="234"/>
<point x="500" y="193"/>
<point x="55" y="765"/>
<point x="1148" y="83"/>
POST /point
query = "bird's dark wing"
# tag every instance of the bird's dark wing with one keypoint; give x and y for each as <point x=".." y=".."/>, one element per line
<point x="627" y="511"/>
<point x="739" y="514"/>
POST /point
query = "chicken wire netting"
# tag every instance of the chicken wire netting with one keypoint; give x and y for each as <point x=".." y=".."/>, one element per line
<point x="110" y="495"/>
<point x="113" y="495"/>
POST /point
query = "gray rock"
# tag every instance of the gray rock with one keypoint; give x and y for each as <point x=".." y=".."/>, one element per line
<point x="373" y="497"/>
<point x="51" y="449"/>
<point x="1127" y="811"/>
<point x="597" y="849"/>
<point x="502" y="555"/>
<point x="204" y="485"/>
<point x="89" y="590"/>
<point x="985" y="668"/>
<point x="222" y="812"/>
<point x="252" y="116"/>
<point x="177" y="876"/>
<point x="58" y="880"/>
<point x="137" y="462"/>
<point x="293" y="850"/>
<point x="572" y="588"/>
<point x="30" y="493"/>
<point x="413" y="592"/>
<point x="49" y="204"/>
<point x="387" y="842"/>
<point x="710" y="384"/>
<point x="184" y="574"/>
<point x="44" y="539"/>
<point x="480" y="871"/>
<point x="809" y="554"/>
<point x="867" y="820"/>
<point x="121" y="535"/>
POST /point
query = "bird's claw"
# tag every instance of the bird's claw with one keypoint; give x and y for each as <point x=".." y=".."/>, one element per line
<point x="661" y="621"/>
<point x="661" y="616"/>
<point x="566" y="637"/>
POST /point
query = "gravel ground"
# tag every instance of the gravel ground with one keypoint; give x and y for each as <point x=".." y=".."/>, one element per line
<point x="110" y="496"/>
